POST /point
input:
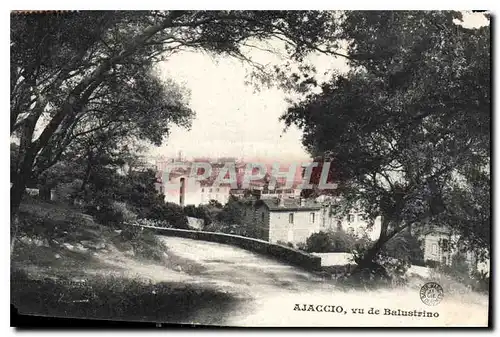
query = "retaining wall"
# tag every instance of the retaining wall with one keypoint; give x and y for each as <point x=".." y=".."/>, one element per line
<point x="281" y="253"/>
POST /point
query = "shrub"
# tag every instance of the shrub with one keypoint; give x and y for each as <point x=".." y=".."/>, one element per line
<point x="199" y="212"/>
<point x="112" y="213"/>
<point x="144" y="243"/>
<point x="481" y="281"/>
<point x="66" y="191"/>
<point x="381" y="272"/>
<point x="169" y="212"/>
<point x="222" y="227"/>
<point x="106" y="296"/>
<point x="335" y="242"/>
<point x="286" y="244"/>
<point x="459" y="269"/>
<point x="404" y="246"/>
<point x="153" y="223"/>
<point x="319" y="243"/>
<point x="46" y="220"/>
<point x="125" y="213"/>
<point x="302" y="246"/>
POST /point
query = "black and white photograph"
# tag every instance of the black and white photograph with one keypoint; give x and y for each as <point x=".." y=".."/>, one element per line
<point x="251" y="168"/>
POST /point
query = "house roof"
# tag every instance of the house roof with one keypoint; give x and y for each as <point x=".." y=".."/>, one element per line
<point x="289" y="205"/>
<point x="436" y="230"/>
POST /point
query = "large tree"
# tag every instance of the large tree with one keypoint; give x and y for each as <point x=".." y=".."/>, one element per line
<point x="402" y="126"/>
<point x="77" y="73"/>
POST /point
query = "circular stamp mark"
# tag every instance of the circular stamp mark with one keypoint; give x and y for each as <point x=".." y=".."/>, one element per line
<point x="431" y="293"/>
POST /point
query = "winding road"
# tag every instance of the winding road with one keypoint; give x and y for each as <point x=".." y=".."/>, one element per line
<point x="268" y="292"/>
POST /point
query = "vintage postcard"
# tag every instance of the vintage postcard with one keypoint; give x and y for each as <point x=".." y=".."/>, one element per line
<point x="251" y="168"/>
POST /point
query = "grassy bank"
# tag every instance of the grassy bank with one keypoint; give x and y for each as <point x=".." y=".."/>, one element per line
<point x="65" y="264"/>
<point x="118" y="298"/>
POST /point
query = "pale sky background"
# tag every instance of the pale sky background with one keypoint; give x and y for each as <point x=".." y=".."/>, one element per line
<point x="231" y="118"/>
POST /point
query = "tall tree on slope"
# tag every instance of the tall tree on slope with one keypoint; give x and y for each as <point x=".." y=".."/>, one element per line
<point x="402" y="126"/>
<point x="67" y="69"/>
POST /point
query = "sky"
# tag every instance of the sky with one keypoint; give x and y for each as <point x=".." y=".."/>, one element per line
<point x="232" y="119"/>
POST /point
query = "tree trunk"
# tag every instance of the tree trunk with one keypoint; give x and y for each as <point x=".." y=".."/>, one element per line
<point x="17" y="192"/>
<point x="367" y="261"/>
<point x="14" y="224"/>
<point x="16" y="195"/>
<point x="88" y="171"/>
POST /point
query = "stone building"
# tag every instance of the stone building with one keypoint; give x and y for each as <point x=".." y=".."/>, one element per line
<point x="282" y="219"/>
<point x="295" y="219"/>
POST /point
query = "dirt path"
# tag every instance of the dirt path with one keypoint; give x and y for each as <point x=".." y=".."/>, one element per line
<point x="272" y="290"/>
<point x="252" y="290"/>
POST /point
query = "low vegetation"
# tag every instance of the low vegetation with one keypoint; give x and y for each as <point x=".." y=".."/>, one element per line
<point x="66" y="263"/>
<point x="335" y="242"/>
<point x="117" y="298"/>
<point x="459" y="272"/>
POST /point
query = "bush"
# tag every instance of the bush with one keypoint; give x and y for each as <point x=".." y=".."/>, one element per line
<point x="461" y="275"/>
<point x="125" y="213"/>
<point x="144" y="243"/>
<point x="301" y="246"/>
<point x="405" y="246"/>
<point x="46" y="220"/>
<point x="109" y="297"/>
<point x="153" y="223"/>
<point x="171" y="213"/>
<point x="319" y="243"/>
<point x="222" y="227"/>
<point x="286" y="244"/>
<point x="199" y="212"/>
<point x="112" y="213"/>
<point x="335" y="242"/>
<point x="382" y="271"/>
<point x="67" y="191"/>
<point x="481" y="281"/>
<point x="459" y="269"/>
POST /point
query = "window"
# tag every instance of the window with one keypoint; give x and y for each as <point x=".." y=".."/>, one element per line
<point x="210" y="190"/>
<point x="434" y="248"/>
<point x="350" y="218"/>
<point x="339" y="225"/>
<point x="311" y="217"/>
<point x="262" y="216"/>
<point x="202" y="190"/>
<point x="445" y="245"/>
<point x="290" y="218"/>
<point x="444" y="260"/>
<point x="216" y="190"/>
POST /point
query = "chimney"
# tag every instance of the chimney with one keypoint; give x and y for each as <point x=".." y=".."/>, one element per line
<point x="281" y="201"/>
<point x="182" y="191"/>
<point x="302" y="202"/>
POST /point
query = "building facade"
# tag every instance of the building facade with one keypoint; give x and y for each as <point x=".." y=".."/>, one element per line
<point x="184" y="190"/>
<point x="283" y="219"/>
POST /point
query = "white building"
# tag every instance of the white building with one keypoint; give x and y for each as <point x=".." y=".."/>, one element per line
<point x="184" y="190"/>
<point x="295" y="219"/>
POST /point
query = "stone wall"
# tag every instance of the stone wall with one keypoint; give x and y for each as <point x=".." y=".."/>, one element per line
<point x="279" y="252"/>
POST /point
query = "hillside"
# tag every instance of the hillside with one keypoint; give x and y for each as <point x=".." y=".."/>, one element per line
<point x="79" y="268"/>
